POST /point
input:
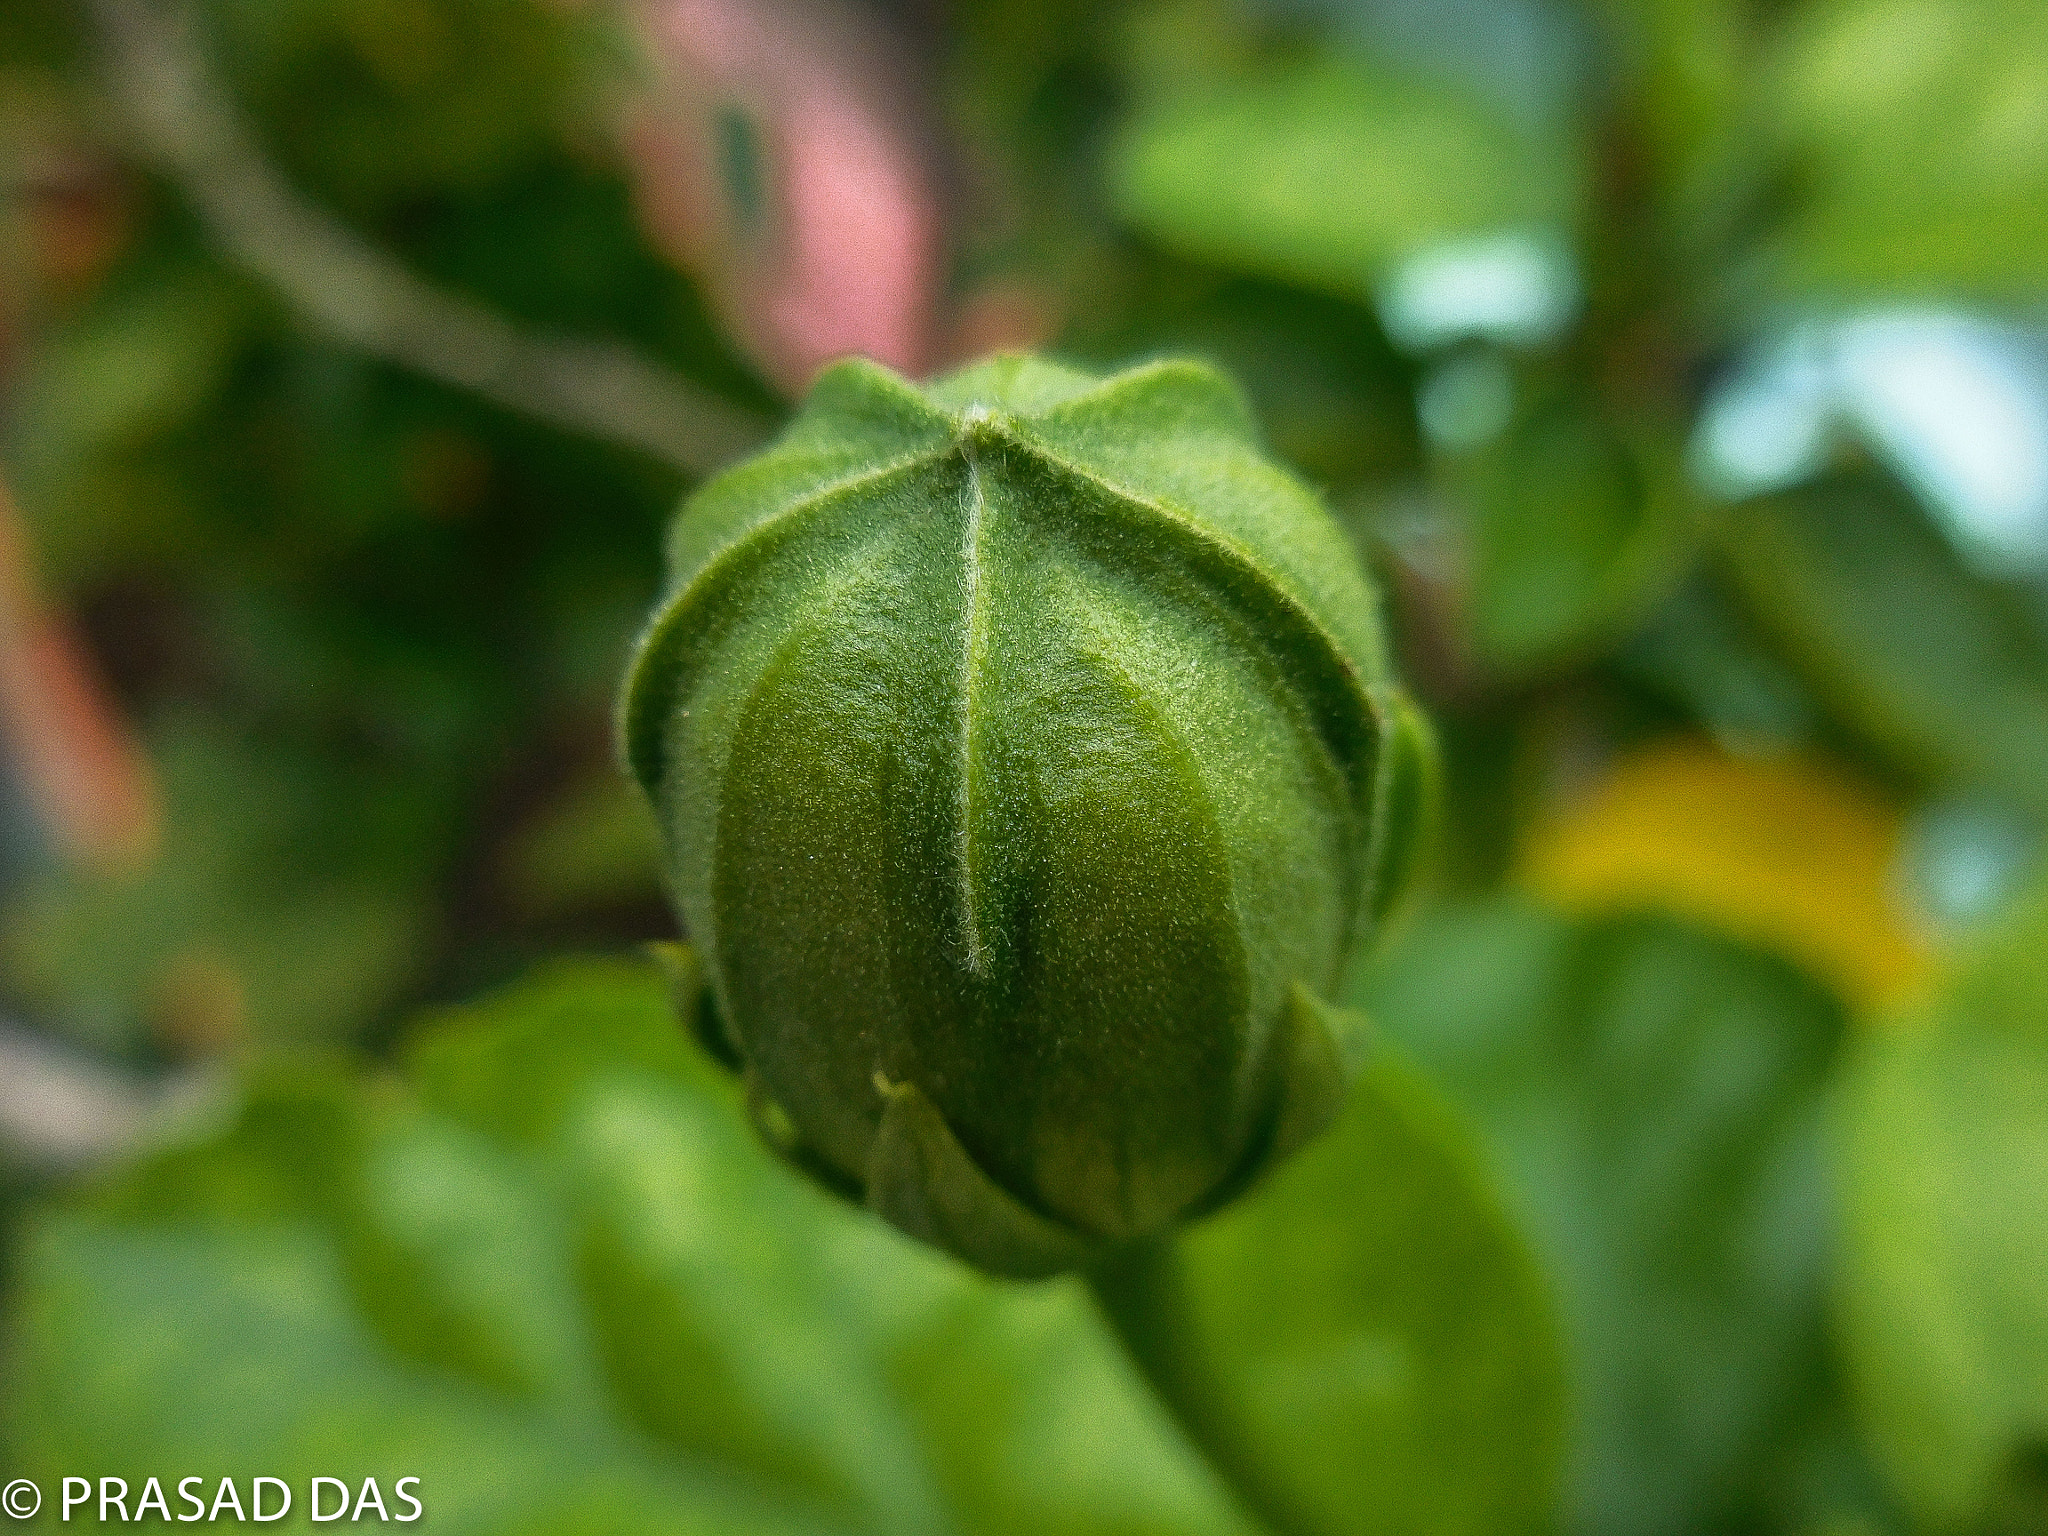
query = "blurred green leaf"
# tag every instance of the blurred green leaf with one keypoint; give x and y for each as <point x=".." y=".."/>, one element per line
<point x="1384" y="1329"/>
<point x="149" y="356"/>
<point x="1323" y="173"/>
<point x="847" y="1350"/>
<point x="1691" y="70"/>
<point x="1918" y="146"/>
<point x="1571" y="538"/>
<point x="256" y="1361"/>
<point x="1330" y="395"/>
<point x="1061" y="1435"/>
<point x="1702" y="650"/>
<point x="561" y="1282"/>
<point x="384" y="98"/>
<point x="1944" y="1293"/>
<point x="1653" y="1098"/>
<point x="259" y="915"/>
<point x="595" y="842"/>
<point x="146" y="360"/>
<point x="1938" y="666"/>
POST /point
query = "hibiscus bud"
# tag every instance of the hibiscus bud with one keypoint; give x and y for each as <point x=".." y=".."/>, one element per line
<point x="1029" y="764"/>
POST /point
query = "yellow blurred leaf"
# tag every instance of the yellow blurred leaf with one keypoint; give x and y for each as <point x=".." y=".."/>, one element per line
<point x="1788" y="855"/>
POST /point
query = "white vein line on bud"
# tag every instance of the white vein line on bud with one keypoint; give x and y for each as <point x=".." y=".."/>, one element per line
<point x="973" y="653"/>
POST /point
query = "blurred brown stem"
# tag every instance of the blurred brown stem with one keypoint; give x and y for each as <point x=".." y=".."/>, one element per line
<point x="86" y="776"/>
<point x="161" y="80"/>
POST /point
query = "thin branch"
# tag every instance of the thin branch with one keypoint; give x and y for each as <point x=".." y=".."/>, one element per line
<point x="187" y="122"/>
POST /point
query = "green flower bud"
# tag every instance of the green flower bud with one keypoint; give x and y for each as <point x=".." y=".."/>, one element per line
<point x="1028" y="764"/>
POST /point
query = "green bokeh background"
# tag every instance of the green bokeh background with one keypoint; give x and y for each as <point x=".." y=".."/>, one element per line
<point x="1642" y="1222"/>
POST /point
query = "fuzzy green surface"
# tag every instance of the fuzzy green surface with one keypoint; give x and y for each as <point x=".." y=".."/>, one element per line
<point x="1020" y="740"/>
